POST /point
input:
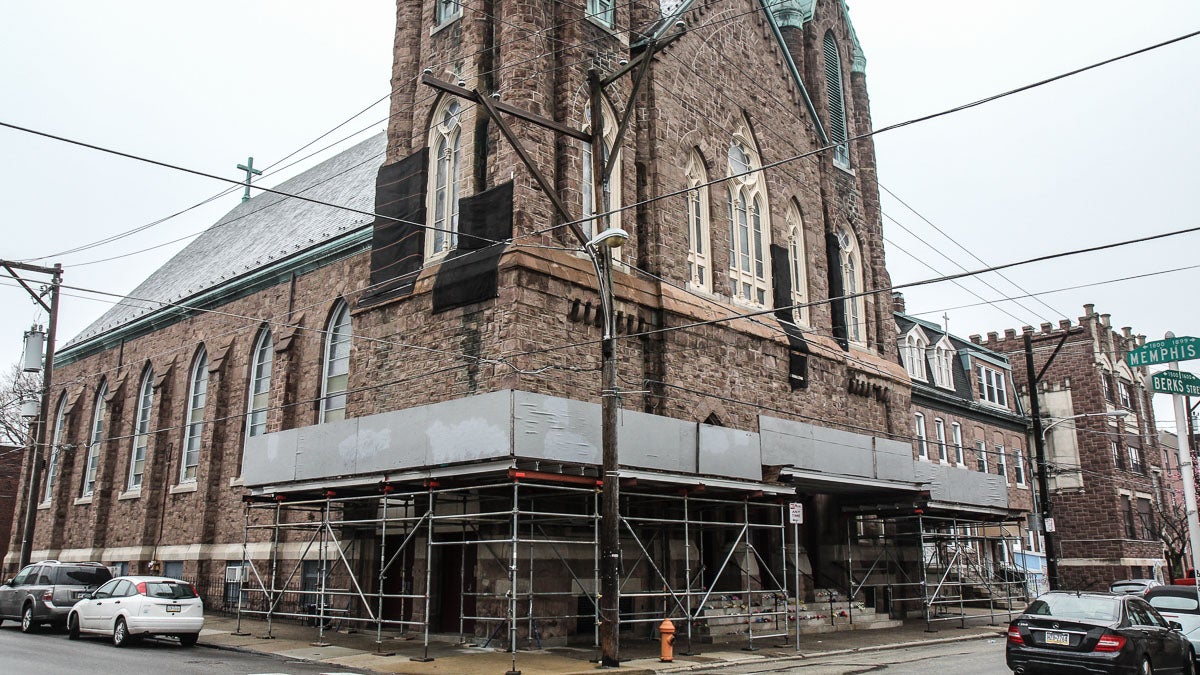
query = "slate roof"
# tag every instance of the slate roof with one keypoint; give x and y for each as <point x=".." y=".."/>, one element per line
<point x="263" y="230"/>
<point x="964" y="382"/>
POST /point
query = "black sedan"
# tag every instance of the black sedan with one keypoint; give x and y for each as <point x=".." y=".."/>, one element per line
<point x="1075" y="632"/>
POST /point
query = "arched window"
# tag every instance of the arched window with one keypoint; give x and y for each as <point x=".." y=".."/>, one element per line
<point x="699" y="264"/>
<point x="914" y="355"/>
<point x="611" y="197"/>
<point x="749" y="226"/>
<point x="852" y="286"/>
<point x="141" y="430"/>
<point x="94" y="439"/>
<point x="798" y="263"/>
<point x="837" y="102"/>
<point x="194" y="424"/>
<point x="336" y="368"/>
<point x="943" y="373"/>
<point x="60" y="424"/>
<point x="445" y="140"/>
<point x="260" y="384"/>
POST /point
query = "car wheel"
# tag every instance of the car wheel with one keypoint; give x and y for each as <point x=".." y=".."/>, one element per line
<point x="72" y="627"/>
<point x="28" y="625"/>
<point x="121" y="636"/>
<point x="189" y="639"/>
<point x="1147" y="668"/>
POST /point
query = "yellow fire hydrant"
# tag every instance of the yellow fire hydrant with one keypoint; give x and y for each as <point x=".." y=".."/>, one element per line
<point x="666" y="635"/>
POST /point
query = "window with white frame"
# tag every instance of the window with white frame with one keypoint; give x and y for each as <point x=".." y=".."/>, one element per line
<point x="94" y="439"/>
<point x="1118" y="458"/>
<point x="601" y="11"/>
<point x="194" y="424"/>
<point x="446" y="11"/>
<point x="922" y="446"/>
<point x="1001" y="462"/>
<point x="939" y="432"/>
<point x="798" y="264"/>
<point x="852" y="286"/>
<point x="1020" y="468"/>
<point x="956" y="433"/>
<point x="749" y="226"/>
<point x="1106" y="386"/>
<point x="141" y="430"/>
<point x="1135" y="459"/>
<point x="699" y="242"/>
<point x="943" y="373"/>
<point x="981" y="456"/>
<point x="913" y="349"/>
<point x="1123" y="392"/>
<point x="991" y="386"/>
<point x="258" y="397"/>
<point x="335" y="379"/>
<point x="610" y="196"/>
<point x="60" y="424"/>
<point x="445" y="140"/>
<point x="836" y="101"/>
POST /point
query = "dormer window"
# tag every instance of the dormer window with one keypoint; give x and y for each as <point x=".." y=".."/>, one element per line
<point x="991" y="386"/>
<point x="913" y="349"/>
<point x="943" y="373"/>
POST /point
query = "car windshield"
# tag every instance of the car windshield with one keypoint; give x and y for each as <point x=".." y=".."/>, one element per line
<point x="169" y="589"/>
<point x="1175" y="603"/>
<point x="83" y="576"/>
<point x="1089" y="607"/>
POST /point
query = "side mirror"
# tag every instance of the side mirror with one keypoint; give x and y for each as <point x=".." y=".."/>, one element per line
<point x="1175" y="625"/>
<point x="9" y="582"/>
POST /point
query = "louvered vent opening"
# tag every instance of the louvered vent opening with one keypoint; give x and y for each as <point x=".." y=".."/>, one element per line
<point x="837" y="107"/>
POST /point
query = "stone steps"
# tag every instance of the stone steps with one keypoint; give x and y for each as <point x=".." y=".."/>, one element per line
<point x="730" y="615"/>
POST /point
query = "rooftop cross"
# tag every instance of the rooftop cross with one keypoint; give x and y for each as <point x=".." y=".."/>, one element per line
<point x="248" y="167"/>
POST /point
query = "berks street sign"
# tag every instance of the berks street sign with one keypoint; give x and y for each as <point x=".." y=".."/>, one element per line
<point x="1175" y="382"/>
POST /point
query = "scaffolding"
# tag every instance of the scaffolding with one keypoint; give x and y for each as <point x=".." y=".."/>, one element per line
<point x="487" y="559"/>
<point x="952" y="568"/>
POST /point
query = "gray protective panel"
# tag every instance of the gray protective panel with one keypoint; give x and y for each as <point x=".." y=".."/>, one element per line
<point x="729" y="452"/>
<point x="564" y="430"/>
<point x="956" y="485"/>
<point x="463" y="430"/>
<point x="834" y="451"/>
<point x="894" y="460"/>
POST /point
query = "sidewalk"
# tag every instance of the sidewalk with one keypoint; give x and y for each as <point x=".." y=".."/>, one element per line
<point x="638" y="656"/>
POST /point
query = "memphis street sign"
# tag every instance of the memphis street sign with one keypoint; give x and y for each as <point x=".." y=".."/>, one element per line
<point x="1164" y="351"/>
<point x="1175" y="382"/>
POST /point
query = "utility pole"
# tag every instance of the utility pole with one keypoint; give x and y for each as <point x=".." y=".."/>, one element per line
<point x="1039" y="444"/>
<point x="41" y="424"/>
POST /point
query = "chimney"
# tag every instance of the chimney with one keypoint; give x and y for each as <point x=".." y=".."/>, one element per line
<point x="898" y="302"/>
<point x="993" y="336"/>
<point x="975" y="339"/>
<point x="1089" y="309"/>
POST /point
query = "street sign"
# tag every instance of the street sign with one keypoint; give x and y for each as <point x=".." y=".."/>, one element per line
<point x="796" y="513"/>
<point x="1175" y="382"/>
<point x="1164" y="351"/>
<point x="1049" y="524"/>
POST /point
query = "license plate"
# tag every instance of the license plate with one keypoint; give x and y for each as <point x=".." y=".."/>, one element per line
<point x="1053" y="638"/>
<point x="174" y="609"/>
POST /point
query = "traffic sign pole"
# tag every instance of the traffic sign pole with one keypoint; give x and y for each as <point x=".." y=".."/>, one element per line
<point x="1189" y="481"/>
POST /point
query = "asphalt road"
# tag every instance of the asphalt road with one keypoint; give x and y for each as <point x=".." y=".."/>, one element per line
<point x="51" y="653"/>
<point x="977" y="657"/>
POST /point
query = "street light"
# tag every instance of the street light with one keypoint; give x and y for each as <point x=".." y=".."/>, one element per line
<point x="600" y="250"/>
<point x="1060" y="420"/>
<point x="1043" y="482"/>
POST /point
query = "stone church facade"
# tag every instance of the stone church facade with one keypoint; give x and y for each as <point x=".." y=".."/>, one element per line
<point x="331" y="397"/>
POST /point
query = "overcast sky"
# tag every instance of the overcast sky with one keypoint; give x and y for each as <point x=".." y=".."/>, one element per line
<point x="1101" y="157"/>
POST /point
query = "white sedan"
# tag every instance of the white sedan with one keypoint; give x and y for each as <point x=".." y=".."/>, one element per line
<point x="128" y="608"/>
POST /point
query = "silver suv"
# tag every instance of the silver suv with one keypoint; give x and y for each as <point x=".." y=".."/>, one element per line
<point x="45" y="592"/>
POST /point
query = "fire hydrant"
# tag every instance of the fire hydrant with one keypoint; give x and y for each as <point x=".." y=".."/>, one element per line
<point x="666" y="635"/>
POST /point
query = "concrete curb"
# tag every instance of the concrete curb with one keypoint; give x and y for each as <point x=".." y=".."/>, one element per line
<point x="833" y="652"/>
